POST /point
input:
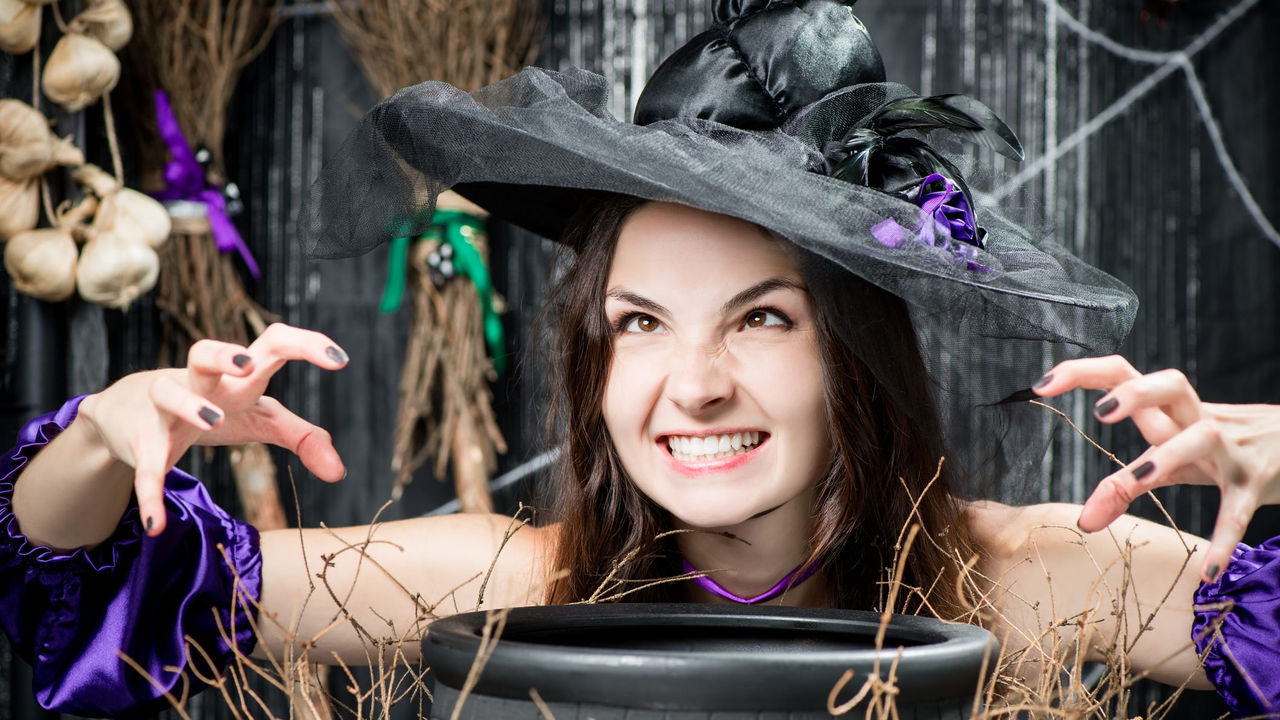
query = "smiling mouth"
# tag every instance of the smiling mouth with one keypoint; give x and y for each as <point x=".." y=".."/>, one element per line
<point x="689" y="448"/>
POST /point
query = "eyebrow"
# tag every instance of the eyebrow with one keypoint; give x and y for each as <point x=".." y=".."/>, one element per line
<point x="639" y="301"/>
<point x="747" y="296"/>
<point x="759" y="290"/>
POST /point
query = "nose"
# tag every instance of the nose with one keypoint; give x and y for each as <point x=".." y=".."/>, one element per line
<point x="698" y="380"/>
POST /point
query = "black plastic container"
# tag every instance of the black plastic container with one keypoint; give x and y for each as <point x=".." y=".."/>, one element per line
<point x="700" y="661"/>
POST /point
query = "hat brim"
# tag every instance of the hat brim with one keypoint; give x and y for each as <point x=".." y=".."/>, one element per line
<point x="532" y="148"/>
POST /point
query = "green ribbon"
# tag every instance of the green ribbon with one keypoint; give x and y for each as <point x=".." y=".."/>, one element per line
<point x="454" y="228"/>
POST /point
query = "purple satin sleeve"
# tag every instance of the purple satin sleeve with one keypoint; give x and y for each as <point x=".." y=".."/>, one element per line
<point x="71" y="614"/>
<point x="1237" y="629"/>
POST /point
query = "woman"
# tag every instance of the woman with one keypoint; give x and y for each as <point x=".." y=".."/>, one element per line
<point x="678" y="325"/>
<point x="695" y="351"/>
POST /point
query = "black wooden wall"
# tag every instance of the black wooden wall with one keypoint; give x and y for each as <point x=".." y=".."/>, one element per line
<point x="1149" y="145"/>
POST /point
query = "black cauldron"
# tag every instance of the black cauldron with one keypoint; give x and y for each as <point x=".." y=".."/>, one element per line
<point x="700" y="661"/>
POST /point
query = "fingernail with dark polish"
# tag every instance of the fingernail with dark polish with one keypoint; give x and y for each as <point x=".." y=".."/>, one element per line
<point x="1143" y="470"/>
<point x="151" y="522"/>
<point x="241" y="360"/>
<point x="335" y="354"/>
<point x="1213" y="571"/>
<point x="209" y="416"/>
<point x="1106" y="407"/>
<point x="1042" y="382"/>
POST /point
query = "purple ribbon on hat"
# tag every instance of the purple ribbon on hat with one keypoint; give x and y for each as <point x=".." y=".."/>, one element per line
<point x="946" y="222"/>
<point x="184" y="180"/>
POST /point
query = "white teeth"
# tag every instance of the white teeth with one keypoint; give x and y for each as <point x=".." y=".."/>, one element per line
<point x="685" y="447"/>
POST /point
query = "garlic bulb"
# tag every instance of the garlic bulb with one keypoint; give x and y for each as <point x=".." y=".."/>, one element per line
<point x="79" y="71"/>
<point x="106" y="20"/>
<point x="134" y="216"/>
<point x="19" y="205"/>
<point x="125" y="211"/>
<point x="27" y="147"/>
<point x="19" y="26"/>
<point x="114" y="271"/>
<point x="42" y="263"/>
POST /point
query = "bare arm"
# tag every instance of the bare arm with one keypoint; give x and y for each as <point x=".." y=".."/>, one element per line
<point x="342" y="593"/>
<point x="74" y="491"/>
<point x="1122" y="596"/>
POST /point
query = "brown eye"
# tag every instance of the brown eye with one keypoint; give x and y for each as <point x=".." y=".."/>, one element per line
<point x="762" y="318"/>
<point x="643" y="324"/>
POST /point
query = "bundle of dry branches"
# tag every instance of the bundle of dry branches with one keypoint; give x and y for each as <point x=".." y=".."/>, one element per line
<point x="467" y="43"/>
<point x="445" y="403"/>
<point x="195" y="50"/>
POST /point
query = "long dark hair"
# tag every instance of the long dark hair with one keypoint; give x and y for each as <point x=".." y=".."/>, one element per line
<point x="885" y="431"/>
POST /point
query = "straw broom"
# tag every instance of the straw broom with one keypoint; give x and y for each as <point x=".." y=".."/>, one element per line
<point x="195" y="50"/>
<point x="446" y="408"/>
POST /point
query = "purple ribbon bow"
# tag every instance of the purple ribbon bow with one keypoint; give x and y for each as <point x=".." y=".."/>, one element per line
<point x="946" y="222"/>
<point x="184" y="180"/>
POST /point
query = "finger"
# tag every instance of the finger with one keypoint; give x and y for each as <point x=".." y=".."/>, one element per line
<point x="1105" y="373"/>
<point x="276" y="424"/>
<point x="280" y="343"/>
<point x="1108" y="501"/>
<point x="152" y="454"/>
<point x="1166" y="390"/>
<point x="1172" y="463"/>
<point x="1238" y="506"/>
<point x="1100" y="373"/>
<point x="209" y="360"/>
<point x="182" y="403"/>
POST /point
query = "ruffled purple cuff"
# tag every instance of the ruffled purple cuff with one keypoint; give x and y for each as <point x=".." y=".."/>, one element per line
<point x="1237" y="629"/>
<point x="71" y="614"/>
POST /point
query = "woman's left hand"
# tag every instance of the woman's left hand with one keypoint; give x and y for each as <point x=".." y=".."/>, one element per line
<point x="1236" y="447"/>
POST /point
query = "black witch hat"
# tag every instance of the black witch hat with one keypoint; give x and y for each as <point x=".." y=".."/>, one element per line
<point x="778" y="114"/>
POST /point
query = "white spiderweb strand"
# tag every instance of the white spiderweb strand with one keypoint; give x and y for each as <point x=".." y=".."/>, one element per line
<point x="1167" y="63"/>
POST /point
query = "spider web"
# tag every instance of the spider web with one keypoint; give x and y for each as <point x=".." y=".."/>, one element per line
<point x="1166" y="63"/>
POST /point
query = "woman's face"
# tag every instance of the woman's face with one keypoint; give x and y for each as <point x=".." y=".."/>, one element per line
<point x="715" y="397"/>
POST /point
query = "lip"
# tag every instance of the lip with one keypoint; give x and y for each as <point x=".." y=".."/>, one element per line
<point x="695" y="468"/>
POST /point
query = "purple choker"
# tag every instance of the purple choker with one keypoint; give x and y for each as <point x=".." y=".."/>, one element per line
<point x="793" y="578"/>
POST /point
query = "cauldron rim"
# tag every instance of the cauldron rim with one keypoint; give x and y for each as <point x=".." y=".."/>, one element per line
<point x="947" y="662"/>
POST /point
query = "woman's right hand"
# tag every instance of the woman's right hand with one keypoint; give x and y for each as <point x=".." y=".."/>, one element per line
<point x="148" y="420"/>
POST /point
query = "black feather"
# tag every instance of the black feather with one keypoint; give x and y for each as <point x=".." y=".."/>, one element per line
<point x="995" y="133"/>
<point x="918" y="113"/>
<point x="959" y="114"/>
<point x="854" y="155"/>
